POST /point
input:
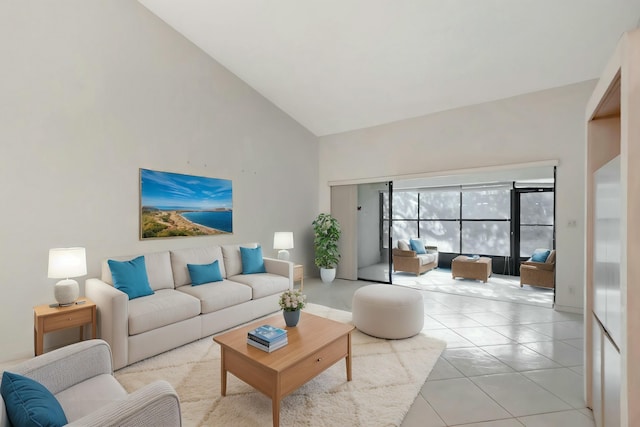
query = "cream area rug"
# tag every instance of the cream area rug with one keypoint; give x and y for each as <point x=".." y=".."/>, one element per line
<point x="387" y="376"/>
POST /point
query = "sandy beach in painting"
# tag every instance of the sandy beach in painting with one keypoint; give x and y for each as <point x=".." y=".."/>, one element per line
<point x="172" y="223"/>
<point x="183" y="222"/>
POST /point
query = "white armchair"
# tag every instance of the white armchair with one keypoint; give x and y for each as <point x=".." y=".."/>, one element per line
<point x="80" y="376"/>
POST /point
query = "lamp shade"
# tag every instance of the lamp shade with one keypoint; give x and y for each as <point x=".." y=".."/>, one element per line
<point x="67" y="262"/>
<point x="283" y="240"/>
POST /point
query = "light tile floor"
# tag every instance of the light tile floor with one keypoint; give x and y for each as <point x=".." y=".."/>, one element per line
<point x="506" y="364"/>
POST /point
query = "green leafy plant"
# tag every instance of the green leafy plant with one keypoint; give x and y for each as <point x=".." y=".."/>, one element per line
<point x="326" y="232"/>
<point x="292" y="300"/>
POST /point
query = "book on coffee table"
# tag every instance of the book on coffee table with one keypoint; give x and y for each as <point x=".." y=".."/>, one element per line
<point x="267" y="334"/>
<point x="268" y="348"/>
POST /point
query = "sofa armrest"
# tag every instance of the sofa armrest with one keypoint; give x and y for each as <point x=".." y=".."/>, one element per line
<point x="62" y="368"/>
<point x="433" y="250"/>
<point x="4" y="419"/>
<point x="155" y="404"/>
<point x="280" y="267"/>
<point x="113" y="318"/>
<point x="403" y="253"/>
<point x="539" y="265"/>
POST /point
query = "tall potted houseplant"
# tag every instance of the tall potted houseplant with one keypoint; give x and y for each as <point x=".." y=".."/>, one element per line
<point x="326" y="232"/>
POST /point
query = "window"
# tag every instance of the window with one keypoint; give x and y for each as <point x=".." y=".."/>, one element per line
<point x="440" y="204"/>
<point x="486" y="237"/>
<point x="536" y="222"/>
<point x="473" y="220"/>
<point x="440" y="218"/>
<point x="486" y="204"/>
<point x="405" y="216"/>
<point x="443" y="234"/>
<point x="486" y="221"/>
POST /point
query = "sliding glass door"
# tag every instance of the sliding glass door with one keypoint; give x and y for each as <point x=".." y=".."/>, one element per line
<point x="505" y="221"/>
<point x="535" y="222"/>
<point x="374" y="256"/>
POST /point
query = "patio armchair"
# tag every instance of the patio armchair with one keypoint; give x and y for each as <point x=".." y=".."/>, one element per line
<point x="540" y="274"/>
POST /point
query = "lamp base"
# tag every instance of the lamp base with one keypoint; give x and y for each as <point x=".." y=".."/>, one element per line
<point x="66" y="292"/>
<point x="283" y="254"/>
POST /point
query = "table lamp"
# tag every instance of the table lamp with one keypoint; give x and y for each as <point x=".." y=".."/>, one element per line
<point x="283" y="240"/>
<point x="65" y="263"/>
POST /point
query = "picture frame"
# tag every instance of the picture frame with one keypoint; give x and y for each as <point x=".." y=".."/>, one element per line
<point x="179" y="205"/>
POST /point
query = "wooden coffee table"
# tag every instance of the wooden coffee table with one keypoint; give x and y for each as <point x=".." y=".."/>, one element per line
<point x="314" y="345"/>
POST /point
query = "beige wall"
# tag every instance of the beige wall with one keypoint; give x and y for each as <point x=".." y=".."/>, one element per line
<point x="91" y="92"/>
<point x="547" y="125"/>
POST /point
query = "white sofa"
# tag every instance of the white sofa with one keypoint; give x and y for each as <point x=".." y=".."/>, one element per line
<point x="178" y="313"/>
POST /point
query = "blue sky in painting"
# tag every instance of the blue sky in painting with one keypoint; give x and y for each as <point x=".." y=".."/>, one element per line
<point x="173" y="191"/>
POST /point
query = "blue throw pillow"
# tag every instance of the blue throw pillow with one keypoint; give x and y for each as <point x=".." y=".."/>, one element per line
<point x="204" y="273"/>
<point x="131" y="277"/>
<point x="29" y="403"/>
<point x="252" y="261"/>
<point x="540" y="256"/>
<point x="418" y="246"/>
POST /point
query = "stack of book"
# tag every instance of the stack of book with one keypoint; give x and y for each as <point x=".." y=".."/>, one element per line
<point x="267" y="338"/>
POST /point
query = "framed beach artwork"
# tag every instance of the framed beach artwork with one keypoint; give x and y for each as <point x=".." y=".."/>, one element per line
<point x="173" y="204"/>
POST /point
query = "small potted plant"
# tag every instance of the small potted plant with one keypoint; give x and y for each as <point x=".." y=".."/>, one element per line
<point x="326" y="232"/>
<point x="291" y="302"/>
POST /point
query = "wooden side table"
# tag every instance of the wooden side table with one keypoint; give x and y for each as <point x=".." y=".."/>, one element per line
<point x="49" y="319"/>
<point x="298" y="275"/>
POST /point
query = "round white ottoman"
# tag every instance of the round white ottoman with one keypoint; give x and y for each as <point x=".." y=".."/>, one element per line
<point x="387" y="311"/>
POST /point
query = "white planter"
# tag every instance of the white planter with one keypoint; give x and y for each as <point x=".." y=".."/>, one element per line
<point x="327" y="274"/>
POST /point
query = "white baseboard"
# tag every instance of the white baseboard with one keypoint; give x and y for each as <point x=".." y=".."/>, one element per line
<point x="568" y="309"/>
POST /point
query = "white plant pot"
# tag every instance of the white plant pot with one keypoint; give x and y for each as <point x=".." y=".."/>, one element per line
<point x="327" y="274"/>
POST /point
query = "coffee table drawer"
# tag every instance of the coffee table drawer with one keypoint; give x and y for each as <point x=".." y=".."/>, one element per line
<point x="314" y="364"/>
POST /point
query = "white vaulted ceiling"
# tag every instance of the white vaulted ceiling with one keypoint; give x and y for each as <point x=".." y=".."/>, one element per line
<point x="339" y="65"/>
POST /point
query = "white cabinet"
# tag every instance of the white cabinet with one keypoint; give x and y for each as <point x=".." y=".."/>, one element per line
<point x="610" y="383"/>
<point x="607" y="315"/>
<point x="612" y="309"/>
<point x="605" y="372"/>
<point x="607" y="247"/>
<point x="596" y="371"/>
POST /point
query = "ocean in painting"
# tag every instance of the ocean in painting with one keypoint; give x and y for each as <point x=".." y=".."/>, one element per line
<point x="220" y="220"/>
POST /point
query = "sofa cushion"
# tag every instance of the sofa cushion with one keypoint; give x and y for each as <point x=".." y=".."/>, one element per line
<point x="218" y="295"/>
<point x="205" y="255"/>
<point x="426" y="258"/>
<point x="165" y="307"/>
<point x="158" y="269"/>
<point x="551" y="259"/>
<point x="204" y="273"/>
<point x="404" y="245"/>
<point x="88" y="396"/>
<point x="540" y="255"/>
<point x="232" y="258"/>
<point x="417" y="246"/>
<point x="252" y="261"/>
<point x="29" y="403"/>
<point x="130" y="277"/>
<point x="264" y="284"/>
